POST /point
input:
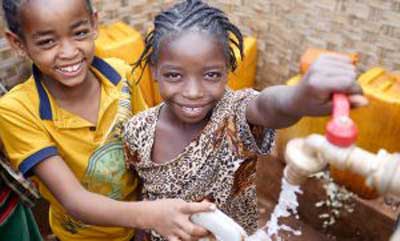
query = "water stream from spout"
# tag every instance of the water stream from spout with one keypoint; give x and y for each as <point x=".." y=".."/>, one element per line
<point x="287" y="206"/>
<point x="225" y="228"/>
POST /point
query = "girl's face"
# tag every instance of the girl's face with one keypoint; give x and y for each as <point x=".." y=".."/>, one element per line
<point x="192" y="73"/>
<point x="59" y="38"/>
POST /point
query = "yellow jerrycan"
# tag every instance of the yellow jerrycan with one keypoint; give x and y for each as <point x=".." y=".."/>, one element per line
<point x="122" y="41"/>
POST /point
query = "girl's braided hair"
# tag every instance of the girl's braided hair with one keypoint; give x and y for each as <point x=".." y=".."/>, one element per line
<point x="191" y="15"/>
<point x="11" y="9"/>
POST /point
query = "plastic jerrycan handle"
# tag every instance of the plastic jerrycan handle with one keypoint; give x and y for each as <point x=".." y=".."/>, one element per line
<point x="341" y="130"/>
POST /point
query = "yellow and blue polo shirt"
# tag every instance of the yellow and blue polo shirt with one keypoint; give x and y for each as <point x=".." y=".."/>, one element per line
<point x="33" y="127"/>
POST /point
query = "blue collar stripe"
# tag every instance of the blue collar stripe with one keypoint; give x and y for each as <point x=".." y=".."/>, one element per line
<point x="106" y="69"/>
<point x="44" y="106"/>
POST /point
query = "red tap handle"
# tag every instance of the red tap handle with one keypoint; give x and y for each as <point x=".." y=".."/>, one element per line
<point x="341" y="130"/>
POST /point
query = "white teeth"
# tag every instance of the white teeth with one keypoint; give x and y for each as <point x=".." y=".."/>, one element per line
<point x="70" y="69"/>
<point x="192" y="110"/>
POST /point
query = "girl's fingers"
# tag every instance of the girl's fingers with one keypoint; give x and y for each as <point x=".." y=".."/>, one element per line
<point x="173" y="238"/>
<point x="184" y="236"/>
<point x="323" y="85"/>
<point x="194" y="230"/>
<point x="345" y="85"/>
<point x="334" y="65"/>
<point x="192" y="208"/>
<point x="358" y="100"/>
<point x="336" y="57"/>
<point x="355" y="89"/>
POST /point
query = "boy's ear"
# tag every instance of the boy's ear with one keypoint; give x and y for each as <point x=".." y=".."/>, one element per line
<point x="16" y="42"/>
<point x="95" y="23"/>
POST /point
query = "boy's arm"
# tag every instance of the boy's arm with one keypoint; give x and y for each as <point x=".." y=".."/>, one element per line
<point x="100" y="210"/>
<point x="282" y="106"/>
<point x="86" y="206"/>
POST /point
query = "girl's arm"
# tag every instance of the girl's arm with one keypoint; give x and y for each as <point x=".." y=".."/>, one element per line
<point x="282" y="106"/>
<point x="169" y="217"/>
<point x="274" y="107"/>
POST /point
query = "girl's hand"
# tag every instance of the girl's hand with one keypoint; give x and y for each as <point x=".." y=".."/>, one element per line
<point x="171" y="218"/>
<point x="330" y="73"/>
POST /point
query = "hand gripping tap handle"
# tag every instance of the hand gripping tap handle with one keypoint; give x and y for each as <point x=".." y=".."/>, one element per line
<point x="341" y="130"/>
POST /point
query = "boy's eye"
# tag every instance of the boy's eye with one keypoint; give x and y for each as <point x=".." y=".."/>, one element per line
<point x="172" y="76"/>
<point x="82" y="34"/>
<point x="46" y="43"/>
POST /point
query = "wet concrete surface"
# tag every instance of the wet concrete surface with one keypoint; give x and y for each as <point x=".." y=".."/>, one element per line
<point x="371" y="220"/>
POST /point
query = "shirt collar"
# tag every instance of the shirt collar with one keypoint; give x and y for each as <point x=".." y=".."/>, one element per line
<point x="44" y="102"/>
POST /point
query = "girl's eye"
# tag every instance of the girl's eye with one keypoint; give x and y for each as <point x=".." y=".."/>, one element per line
<point x="46" y="43"/>
<point x="172" y="76"/>
<point x="213" y="75"/>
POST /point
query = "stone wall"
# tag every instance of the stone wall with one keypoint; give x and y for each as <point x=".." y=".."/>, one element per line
<point x="284" y="29"/>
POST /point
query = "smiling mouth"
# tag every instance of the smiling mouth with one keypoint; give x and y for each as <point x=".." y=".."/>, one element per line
<point x="192" y="109"/>
<point x="70" y="70"/>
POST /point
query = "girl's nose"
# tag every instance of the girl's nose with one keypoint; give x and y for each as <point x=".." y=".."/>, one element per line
<point x="193" y="89"/>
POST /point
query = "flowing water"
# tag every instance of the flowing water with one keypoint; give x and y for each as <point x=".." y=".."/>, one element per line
<point x="286" y="207"/>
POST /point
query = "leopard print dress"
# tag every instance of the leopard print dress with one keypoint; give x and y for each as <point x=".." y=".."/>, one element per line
<point x="219" y="165"/>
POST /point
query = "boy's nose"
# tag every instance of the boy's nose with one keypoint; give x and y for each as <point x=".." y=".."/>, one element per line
<point x="68" y="49"/>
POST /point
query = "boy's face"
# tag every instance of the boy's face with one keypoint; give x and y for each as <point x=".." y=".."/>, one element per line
<point x="192" y="73"/>
<point x="59" y="38"/>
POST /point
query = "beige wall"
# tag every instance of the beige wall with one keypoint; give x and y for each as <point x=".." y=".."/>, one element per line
<point x="284" y="28"/>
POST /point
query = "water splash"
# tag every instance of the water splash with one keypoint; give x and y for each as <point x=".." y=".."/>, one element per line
<point x="287" y="206"/>
<point x="223" y="226"/>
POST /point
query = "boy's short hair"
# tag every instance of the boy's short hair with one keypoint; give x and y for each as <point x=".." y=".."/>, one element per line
<point x="11" y="14"/>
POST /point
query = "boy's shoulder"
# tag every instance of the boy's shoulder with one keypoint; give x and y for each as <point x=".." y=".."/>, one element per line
<point x="119" y="65"/>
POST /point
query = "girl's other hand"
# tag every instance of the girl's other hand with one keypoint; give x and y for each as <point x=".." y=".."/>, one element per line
<point x="171" y="218"/>
<point x="329" y="74"/>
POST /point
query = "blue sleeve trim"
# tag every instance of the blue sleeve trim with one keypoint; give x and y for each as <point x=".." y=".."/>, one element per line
<point x="26" y="166"/>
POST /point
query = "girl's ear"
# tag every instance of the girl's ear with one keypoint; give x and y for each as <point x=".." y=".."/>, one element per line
<point x="16" y="43"/>
<point x="153" y="71"/>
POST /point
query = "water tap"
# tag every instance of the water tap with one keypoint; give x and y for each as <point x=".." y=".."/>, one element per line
<point x="304" y="159"/>
<point x="309" y="155"/>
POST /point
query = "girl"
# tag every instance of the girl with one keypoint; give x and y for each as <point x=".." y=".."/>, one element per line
<point x="204" y="140"/>
<point x="63" y="126"/>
